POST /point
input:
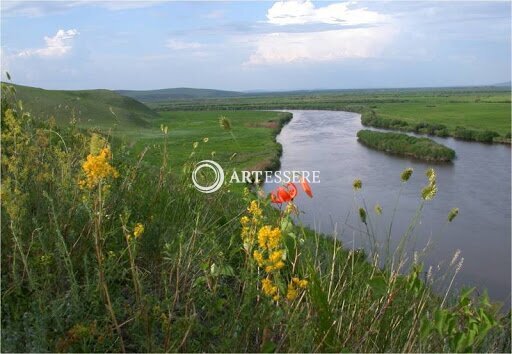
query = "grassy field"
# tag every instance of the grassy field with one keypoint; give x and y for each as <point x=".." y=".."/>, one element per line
<point x="250" y="144"/>
<point x="478" y="109"/>
<point x="106" y="248"/>
<point x="89" y="108"/>
<point x="472" y="115"/>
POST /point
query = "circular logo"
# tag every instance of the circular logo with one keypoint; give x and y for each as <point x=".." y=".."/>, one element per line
<point x="219" y="176"/>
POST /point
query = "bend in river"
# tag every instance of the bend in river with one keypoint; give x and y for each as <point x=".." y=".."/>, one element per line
<point x="478" y="183"/>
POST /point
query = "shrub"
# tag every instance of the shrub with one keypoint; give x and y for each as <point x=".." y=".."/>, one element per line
<point x="403" y="144"/>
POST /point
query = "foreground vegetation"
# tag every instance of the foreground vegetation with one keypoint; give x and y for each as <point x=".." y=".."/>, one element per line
<point x="105" y="251"/>
<point x="405" y="145"/>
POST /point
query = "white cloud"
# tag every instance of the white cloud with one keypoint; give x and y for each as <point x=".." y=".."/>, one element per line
<point x="177" y="44"/>
<point x="356" y="43"/>
<point x="299" y="12"/>
<point x="354" y="33"/>
<point x="56" y="46"/>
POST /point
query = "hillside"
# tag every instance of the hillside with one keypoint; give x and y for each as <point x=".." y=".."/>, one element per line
<point x="91" y="108"/>
<point x="177" y="93"/>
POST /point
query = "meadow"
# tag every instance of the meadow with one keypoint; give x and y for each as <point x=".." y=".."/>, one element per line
<point x="106" y="246"/>
<point x="478" y="109"/>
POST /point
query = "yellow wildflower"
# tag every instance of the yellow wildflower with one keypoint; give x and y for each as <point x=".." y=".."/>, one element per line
<point x="244" y="220"/>
<point x="292" y="293"/>
<point x="268" y="287"/>
<point x="258" y="257"/>
<point x="254" y="209"/>
<point x="378" y="209"/>
<point x="279" y="265"/>
<point x="269" y="238"/>
<point x="276" y="256"/>
<point x="303" y="283"/>
<point x="97" y="168"/>
<point x="357" y="184"/>
<point x="138" y="230"/>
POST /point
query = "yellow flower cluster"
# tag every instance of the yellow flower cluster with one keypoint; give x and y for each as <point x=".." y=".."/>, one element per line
<point x="272" y="263"/>
<point x="294" y="286"/>
<point x="97" y="168"/>
<point x="268" y="237"/>
<point x="254" y="209"/>
<point x="266" y="246"/>
<point x="270" y="289"/>
<point x="269" y="242"/>
<point x="138" y="230"/>
<point x="250" y="224"/>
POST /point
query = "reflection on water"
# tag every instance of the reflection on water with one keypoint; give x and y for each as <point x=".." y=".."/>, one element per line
<point x="478" y="183"/>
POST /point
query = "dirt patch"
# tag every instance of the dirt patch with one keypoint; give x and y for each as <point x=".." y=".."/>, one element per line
<point x="271" y="124"/>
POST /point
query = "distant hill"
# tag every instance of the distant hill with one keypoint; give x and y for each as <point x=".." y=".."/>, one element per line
<point x="177" y="93"/>
<point x="90" y="107"/>
<point x="503" y="84"/>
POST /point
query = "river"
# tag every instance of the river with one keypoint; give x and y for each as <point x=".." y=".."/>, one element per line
<point x="478" y="182"/>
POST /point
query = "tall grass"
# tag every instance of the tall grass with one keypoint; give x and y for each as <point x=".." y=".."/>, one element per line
<point x="138" y="260"/>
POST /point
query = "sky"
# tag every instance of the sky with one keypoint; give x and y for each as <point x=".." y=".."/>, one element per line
<point x="265" y="45"/>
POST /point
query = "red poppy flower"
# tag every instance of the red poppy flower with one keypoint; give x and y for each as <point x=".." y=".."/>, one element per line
<point x="307" y="188"/>
<point x="292" y="190"/>
<point x="283" y="194"/>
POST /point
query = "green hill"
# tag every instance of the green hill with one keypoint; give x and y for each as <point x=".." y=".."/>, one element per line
<point x="177" y="93"/>
<point x="102" y="108"/>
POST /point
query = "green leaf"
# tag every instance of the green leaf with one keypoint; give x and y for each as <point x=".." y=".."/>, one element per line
<point x="425" y="328"/>
<point x="378" y="285"/>
<point x="439" y="320"/>
<point x="268" y="347"/>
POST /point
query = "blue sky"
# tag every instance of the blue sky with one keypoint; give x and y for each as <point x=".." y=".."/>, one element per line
<point x="255" y="45"/>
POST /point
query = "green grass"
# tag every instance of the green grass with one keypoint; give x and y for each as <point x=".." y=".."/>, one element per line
<point x="405" y="145"/>
<point x="253" y="148"/>
<point x="478" y="109"/>
<point x="472" y="115"/>
<point x="90" y="108"/>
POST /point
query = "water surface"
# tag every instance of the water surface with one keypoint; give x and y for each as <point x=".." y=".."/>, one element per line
<point x="477" y="182"/>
